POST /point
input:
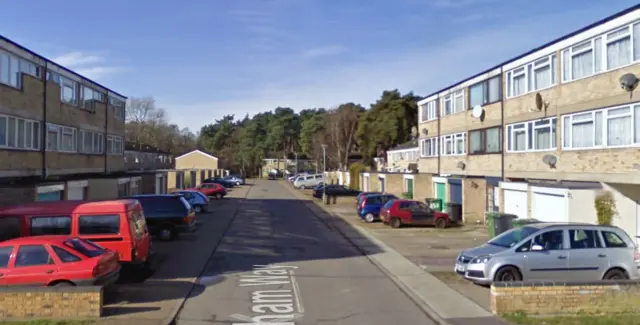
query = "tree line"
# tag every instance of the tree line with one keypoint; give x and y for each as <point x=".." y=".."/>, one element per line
<point x="243" y="143"/>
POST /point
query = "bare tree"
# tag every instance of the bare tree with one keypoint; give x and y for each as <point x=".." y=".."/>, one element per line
<point x="341" y="125"/>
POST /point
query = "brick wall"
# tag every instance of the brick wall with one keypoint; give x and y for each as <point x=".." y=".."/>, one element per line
<point x="474" y="200"/>
<point x="561" y="298"/>
<point x="51" y="302"/>
<point x="394" y="184"/>
<point x="422" y="186"/>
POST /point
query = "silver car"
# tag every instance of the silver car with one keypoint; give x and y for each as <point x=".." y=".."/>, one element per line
<point x="308" y="181"/>
<point x="552" y="251"/>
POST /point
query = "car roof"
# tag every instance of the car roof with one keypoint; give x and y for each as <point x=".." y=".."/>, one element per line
<point x="69" y="207"/>
<point x="154" y="195"/>
<point x="48" y="239"/>
<point x="545" y="225"/>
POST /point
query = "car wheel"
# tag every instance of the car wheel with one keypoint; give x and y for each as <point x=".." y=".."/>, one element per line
<point x="396" y="223"/>
<point x="219" y="196"/>
<point x="302" y="187"/>
<point x="508" y="274"/>
<point x="369" y="218"/>
<point x="197" y="208"/>
<point x="615" y="274"/>
<point x="63" y="284"/>
<point x="237" y="183"/>
<point x="167" y="233"/>
<point x="441" y="223"/>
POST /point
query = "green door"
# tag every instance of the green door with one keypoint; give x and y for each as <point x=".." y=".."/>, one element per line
<point x="441" y="192"/>
<point x="409" y="185"/>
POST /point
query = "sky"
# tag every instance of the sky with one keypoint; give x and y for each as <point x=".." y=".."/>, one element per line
<point x="203" y="59"/>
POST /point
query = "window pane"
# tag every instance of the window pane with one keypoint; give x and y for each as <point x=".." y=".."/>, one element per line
<point x="4" y="68"/>
<point x="14" y="72"/>
<point x="459" y="105"/>
<point x="582" y="65"/>
<point x="584" y="239"/>
<point x="494" y="89"/>
<point x="460" y="149"/>
<point x="5" y="254"/>
<point x="566" y="65"/>
<point x="493" y="140"/>
<point x="636" y="122"/>
<point x="520" y="141"/>
<point x="64" y="255"/>
<point x="597" y="45"/>
<point x="550" y="240"/>
<point x="20" y="138"/>
<point x="93" y="225"/>
<point x="519" y="85"/>
<point x="32" y="255"/>
<point x="50" y="226"/>
<point x="476" y="95"/>
<point x="29" y="135"/>
<point x="566" y="132"/>
<point x="475" y="142"/>
<point x="619" y="131"/>
<point x="636" y="41"/>
<point x="542" y="138"/>
<point x="36" y="135"/>
<point x="582" y="135"/>
<point x="3" y="131"/>
<point x="619" y="53"/>
<point x="11" y="135"/>
<point x="542" y="78"/>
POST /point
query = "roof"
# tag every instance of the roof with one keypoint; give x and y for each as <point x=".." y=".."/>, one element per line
<point x="52" y="62"/>
<point x="198" y="152"/>
<point x="600" y="22"/>
<point x="52" y="239"/>
<point x="413" y="144"/>
<point x="141" y="147"/>
<point x="68" y="207"/>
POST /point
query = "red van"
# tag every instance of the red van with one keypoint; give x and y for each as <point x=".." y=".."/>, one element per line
<point x="117" y="225"/>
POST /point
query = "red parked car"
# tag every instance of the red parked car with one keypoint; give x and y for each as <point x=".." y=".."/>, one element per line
<point x="56" y="261"/>
<point x="408" y="212"/>
<point x="211" y="190"/>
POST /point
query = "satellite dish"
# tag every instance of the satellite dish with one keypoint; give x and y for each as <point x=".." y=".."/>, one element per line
<point x="550" y="160"/>
<point x="539" y="102"/>
<point x="425" y="131"/>
<point x="477" y="111"/>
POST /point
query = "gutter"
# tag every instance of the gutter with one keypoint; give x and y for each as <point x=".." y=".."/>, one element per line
<point x="106" y="134"/>
<point x="43" y="127"/>
<point x="438" y="144"/>
<point x="503" y="131"/>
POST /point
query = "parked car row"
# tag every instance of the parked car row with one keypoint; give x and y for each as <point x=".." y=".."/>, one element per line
<point x="66" y="243"/>
<point x="376" y="206"/>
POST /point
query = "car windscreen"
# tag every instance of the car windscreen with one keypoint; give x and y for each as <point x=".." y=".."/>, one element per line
<point x="513" y="236"/>
<point x="84" y="247"/>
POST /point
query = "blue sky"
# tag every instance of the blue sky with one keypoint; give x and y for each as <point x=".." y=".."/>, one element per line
<point x="202" y="59"/>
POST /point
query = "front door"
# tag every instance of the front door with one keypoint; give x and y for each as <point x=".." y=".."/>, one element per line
<point x="441" y="192"/>
<point x="381" y="184"/>
<point x="551" y="263"/>
<point x="409" y="185"/>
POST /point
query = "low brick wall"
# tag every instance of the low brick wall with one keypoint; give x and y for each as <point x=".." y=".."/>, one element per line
<point x="566" y="298"/>
<point x="51" y="302"/>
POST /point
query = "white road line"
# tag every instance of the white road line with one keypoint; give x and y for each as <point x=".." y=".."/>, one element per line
<point x="296" y="292"/>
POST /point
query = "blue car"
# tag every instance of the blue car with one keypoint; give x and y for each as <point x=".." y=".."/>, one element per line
<point x="369" y="207"/>
<point x="198" y="201"/>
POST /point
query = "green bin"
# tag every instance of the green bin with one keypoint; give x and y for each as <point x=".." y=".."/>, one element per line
<point x="434" y="204"/>
<point x="498" y="223"/>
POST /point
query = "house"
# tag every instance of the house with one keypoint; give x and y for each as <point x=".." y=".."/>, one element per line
<point x="193" y="167"/>
<point x="58" y="129"/>
<point x="535" y="134"/>
<point x="402" y="158"/>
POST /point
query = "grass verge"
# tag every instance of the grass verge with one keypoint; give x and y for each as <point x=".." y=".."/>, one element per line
<point x="574" y="320"/>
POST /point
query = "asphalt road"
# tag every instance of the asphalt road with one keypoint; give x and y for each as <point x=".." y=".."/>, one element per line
<point x="278" y="263"/>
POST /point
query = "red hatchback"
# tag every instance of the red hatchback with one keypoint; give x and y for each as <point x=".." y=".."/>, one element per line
<point x="407" y="212"/>
<point x="56" y="261"/>
<point x="211" y="190"/>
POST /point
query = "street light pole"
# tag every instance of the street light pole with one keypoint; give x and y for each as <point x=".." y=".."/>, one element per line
<point x="296" y="154"/>
<point x="324" y="167"/>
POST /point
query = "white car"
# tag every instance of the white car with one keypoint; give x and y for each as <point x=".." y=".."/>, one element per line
<point x="293" y="178"/>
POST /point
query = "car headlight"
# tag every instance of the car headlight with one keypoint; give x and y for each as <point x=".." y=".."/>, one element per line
<point x="481" y="259"/>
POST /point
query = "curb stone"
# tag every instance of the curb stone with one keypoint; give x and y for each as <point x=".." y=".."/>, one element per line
<point x="430" y="312"/>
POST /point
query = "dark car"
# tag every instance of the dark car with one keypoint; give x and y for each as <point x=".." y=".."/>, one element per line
<point x="221" y="181"/>
<point x="334" y="190"/>
<point x="272" y="177"/>
<point x="167" y="215"/>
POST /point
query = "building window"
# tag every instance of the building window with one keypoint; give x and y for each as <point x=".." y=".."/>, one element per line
<point x="87" y="99"/>
<point x="69" y="91"/>
<point x="453" y="103"/>
<point x="531" y="77"/>
<point x="118" y="108"/>
<point x="428" y="111"/>
<point x="485" y="92"/>
<point x="485" y="141"/>
<point x="19" y="133"/>
<point x="91" y="142"/>
<point x="611" y="127"/>
<point x="429" y="147"/>
<point x="603" y="53"/>
<point x="114" y="145"/>
<point x="61" y="138"/>
<point x="539" y="135"/>
<point x="454" y="144"/>
<point x="9" y="70"/>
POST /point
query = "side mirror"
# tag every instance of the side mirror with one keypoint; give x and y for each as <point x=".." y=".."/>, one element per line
<point x="537" y="248"/>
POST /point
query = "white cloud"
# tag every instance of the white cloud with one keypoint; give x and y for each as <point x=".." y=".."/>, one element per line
<point x="89" y="65"/>
<point x="324" y="51"/>
<point x="423" y="71"/>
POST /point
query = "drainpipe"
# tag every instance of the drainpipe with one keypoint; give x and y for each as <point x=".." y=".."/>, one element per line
<point x="503" y="140"/>
<point x="106" y="132"/>
<point x="43" y="127"/>
<point x="439" y="112"/>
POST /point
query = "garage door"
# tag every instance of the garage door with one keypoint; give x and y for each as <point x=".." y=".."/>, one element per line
<point x="455" y="191"/>
<point x="515" y="202"/>
<point x="549" y="207"/>
<point x="75" y="193"/>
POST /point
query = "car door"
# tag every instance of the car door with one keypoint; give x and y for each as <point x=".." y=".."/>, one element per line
<point x="587" y="258"/>
<point x="5" y="256"/>
<point x="420" y="214"/>
<point x="33" y="265"/>
<point x="552" y="262"/>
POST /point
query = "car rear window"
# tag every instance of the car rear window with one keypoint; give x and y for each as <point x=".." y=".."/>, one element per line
<point x="185" y="203"/>
<point x="64" y="255"/>
<point x="85" y="247"/>
<point x="161" y="203"/>
<point x="388" y="205"/>
<point x="5" y="254"/>
<point x="99" y="224"/>
<point x="612" y="240"/>
<point x="54" y="225"/>
<point x="374" y="200"/>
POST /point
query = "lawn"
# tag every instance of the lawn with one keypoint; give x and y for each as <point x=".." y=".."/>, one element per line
<point x="48" y="322"/>
<point x="577" y="320"/>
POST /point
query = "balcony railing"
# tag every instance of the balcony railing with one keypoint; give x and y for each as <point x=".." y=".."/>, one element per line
<point x="137" y="160"/>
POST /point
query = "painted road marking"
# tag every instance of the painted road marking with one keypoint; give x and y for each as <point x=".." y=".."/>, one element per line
<point x="278" y="306"/>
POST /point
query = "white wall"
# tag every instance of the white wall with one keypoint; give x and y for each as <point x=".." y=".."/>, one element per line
<point x="582" y="206"/>
<point x="626" y="197"/>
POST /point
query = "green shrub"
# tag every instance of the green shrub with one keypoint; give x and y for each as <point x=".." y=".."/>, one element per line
<point x="407" y="195"/>
<point x="605" y="208"/>
<point x="354" y="174"/>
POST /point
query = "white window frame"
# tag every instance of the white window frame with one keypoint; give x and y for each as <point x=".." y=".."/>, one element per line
<point x="452" y="97"/>
<point x="530" y="127"/>
<point x="35" y="141"/>
<point x="87" y="104"/>
<point x="115" y="141"/>
<point x="433" y="147"/>
<point x="429" y="111"/>
<point x="68" y="83"/>
<point x="60" y="131"/>
<point x="97" y="142"/>
<point x="453" y="139"/>
<point x="119" y="108"/>
<point x="604" y="42"/>
<point x="528" y="71"/>
<point x="605" y="125"/>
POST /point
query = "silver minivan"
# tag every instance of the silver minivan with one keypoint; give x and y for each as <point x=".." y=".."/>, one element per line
<point x="308" y="181"/>
<point x="552" y="251"/>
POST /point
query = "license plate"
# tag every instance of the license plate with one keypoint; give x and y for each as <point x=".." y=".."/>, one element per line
<point x="460" y="268"/>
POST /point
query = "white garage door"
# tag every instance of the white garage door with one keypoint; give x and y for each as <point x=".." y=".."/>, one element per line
<point x="549" y="207"/>
<point x="515" y="202"/>
<point x="75" y="193"/>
